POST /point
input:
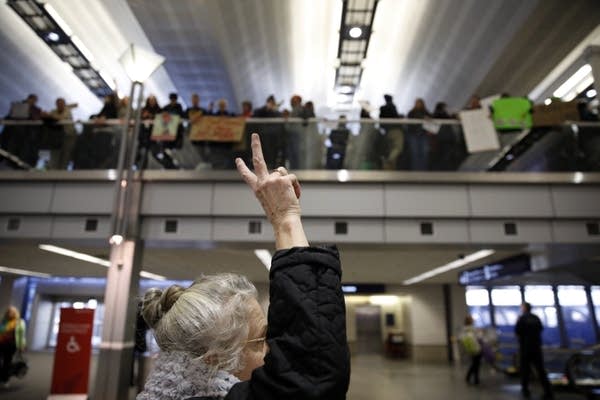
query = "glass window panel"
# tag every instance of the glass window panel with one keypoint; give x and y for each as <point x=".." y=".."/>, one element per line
<point x="572" y="296"/>
<point x="507" y="296"/>
<point x="477" y="297"/>
<point x="539" y="295"/>
<point x="481" y="316"/>
<point x="596" y="301"/>
<point x="596" y="295"/>
<point x="549" y="317"/>
<point x="576" y="316"/>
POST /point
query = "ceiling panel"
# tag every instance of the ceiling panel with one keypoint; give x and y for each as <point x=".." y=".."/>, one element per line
<point x="554" y="28"/>
<point x="437" y="50"/>
<point x="360" y="263"/>
<point x="245" y="49"/>
<point x="29" y="66"/>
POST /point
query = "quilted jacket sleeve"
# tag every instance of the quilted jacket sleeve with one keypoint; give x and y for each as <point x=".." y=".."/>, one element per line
<point x="308" y="355"/>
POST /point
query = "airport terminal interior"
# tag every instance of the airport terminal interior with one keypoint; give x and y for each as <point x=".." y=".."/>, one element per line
<point x="450" y="149"/>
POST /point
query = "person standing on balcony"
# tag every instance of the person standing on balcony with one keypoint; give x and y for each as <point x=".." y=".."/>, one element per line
<point x="418" y="138"/>
<point x="271" y="132"/>
<point x="394" y="134"/>
<point x="60" y="158"/>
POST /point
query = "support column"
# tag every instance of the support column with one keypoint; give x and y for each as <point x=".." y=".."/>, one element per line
<point x="120" y="306"/>
<point x="592" y="57"/>
<point x="6" y="286"/>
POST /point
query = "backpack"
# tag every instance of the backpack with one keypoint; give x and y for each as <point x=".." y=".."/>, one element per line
<point x="470" y="343"/>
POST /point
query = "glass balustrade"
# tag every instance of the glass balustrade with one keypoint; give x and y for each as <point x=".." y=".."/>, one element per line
<point x="315" y="144"/>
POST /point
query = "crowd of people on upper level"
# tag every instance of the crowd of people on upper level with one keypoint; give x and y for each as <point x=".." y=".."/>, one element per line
<point x="399" y="146"/>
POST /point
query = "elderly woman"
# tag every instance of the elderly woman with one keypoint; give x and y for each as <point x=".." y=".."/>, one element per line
<point x="12" y="339"/>
<point x="214" y="337"/>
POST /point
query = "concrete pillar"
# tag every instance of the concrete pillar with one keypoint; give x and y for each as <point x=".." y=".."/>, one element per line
<point x="120" y="306"/>
<point x="6" y="286"/>
<point x="592" y="57"/>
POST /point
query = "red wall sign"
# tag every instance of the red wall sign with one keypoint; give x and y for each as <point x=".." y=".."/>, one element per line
<point x="73" y="351"/>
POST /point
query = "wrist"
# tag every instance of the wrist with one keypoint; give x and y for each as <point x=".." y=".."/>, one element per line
<point x="289" y="233"/>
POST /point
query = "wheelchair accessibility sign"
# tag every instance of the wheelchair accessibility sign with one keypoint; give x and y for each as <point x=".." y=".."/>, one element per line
<point x="73" y="352"/>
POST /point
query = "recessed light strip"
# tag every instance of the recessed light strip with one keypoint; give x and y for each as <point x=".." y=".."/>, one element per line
<point x="74" y="254"/>
<point x="91" y="259"/>
<point x="450" y="266"/>
<point x="24" y="272"/>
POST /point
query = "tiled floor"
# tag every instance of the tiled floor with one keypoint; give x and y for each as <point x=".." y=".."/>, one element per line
<point x="373" y="378"/>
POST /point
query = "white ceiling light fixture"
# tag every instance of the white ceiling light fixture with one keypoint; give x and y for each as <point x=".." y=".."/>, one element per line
<point x="264" y="256"/>
<point x="140" y="63"/>
<point x="91" y="259"/>
<point x="24" y="272"/>
<point x="74" y="254"/>
<point x="591" y="93"/>
<point x="59" y="21"/>
<point x="450" y="266"/>
<point x="355" y="32"/>
<point x="582" y="74"/>
<point x="384" y="300"/>
<point x="150" y="275"/>
<point x="84" y="50"/>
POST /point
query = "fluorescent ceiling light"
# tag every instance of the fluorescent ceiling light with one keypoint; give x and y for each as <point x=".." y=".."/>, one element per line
<point x="150" y="275"/>
<point x="57" y="18"/>
<point x="24" y="272"/>
<point x="91" y="259"/>
<point x="84" y="50"/>
<point x="345" y="89"/>
<point x="450" y="266"/>
<point x="383" y="300"/>
<point x="573" y="81"/>
<point x="264" y="256"/>
<point x="74" y="254"/>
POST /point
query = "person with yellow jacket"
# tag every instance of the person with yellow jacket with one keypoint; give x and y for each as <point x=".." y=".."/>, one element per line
<point x="12" y="339"/>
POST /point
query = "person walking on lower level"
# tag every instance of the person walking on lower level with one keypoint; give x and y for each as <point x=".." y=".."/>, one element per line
<point x="472" y="347"/>
<point x="529" y="331"/>
<point x="12" y="339"/>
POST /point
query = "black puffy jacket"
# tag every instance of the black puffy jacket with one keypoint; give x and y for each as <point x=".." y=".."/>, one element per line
<point x="308" y="354"/>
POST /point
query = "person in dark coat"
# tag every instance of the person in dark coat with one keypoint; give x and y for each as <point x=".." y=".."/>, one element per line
<point x="213" y="335"/>
<point x="174" y="107"/>
<point x="394" y="133"/>
<point x="529" y="331"/>
<point x="273" y="133"/>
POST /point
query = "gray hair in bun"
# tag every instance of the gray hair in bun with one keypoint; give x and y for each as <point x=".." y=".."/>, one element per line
<point x="209" y="319"/>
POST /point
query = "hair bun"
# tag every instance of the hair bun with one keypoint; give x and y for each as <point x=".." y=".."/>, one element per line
<point x="157" y="303"/>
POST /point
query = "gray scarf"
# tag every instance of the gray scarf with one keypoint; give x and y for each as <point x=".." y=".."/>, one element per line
<point x="177" y="375"/>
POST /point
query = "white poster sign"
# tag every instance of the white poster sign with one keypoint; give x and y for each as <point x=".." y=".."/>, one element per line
<point x="479" y="131"/>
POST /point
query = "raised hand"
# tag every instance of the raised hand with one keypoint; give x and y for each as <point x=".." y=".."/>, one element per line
<point x="278" y="193"/>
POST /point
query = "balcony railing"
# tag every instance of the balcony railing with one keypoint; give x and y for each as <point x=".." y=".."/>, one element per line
<point x="313" y="144"/>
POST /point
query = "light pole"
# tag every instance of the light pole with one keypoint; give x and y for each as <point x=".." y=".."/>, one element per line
<point x="116" y="349"/>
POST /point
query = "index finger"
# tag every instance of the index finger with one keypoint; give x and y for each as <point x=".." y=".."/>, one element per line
<point x="258" y="160"/>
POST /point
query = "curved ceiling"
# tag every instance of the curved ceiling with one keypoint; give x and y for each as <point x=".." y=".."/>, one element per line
<point x="440" y="50"/>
